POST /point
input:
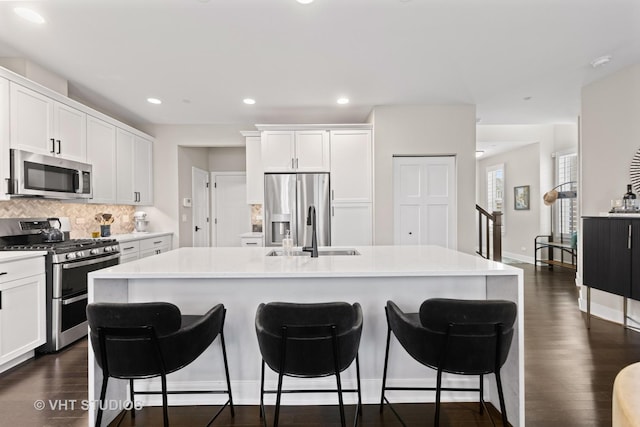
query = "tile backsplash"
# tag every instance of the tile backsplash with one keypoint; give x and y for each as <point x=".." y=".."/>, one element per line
<point x="81" y="215"/>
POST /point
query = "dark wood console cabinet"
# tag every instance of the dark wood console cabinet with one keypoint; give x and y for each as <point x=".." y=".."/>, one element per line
<point x="611" y="256"/>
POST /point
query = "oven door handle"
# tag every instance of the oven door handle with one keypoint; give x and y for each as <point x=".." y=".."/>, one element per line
<point x="74" y="299"/>
<point x="90" y="261"/>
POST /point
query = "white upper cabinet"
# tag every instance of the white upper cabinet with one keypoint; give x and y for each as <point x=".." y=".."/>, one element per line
<point x="351" y="187"/>
<point x="312" y="151"/>
<point x="101" y="154"/>
<point x="4" y="138"/>
<point x="134" y="160"/>
<point x="255" y="173"/>
<point x="295" y="151"/>
<point x="351" y="166"/>
<point x="143" y="170"/>
<point x="124" y="155"/>
<point x="42" y="125"/>
<point x="70" y="130"/>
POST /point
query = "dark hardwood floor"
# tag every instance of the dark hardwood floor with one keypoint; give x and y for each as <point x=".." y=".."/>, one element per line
<point x="569" y="374"/>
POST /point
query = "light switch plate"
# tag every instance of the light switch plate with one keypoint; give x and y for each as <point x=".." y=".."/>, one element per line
<point x="186" y="202"/>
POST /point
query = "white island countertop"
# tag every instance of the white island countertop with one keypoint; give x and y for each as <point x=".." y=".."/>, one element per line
<point x="242" y="278"/>
<point x="373" y="261"/>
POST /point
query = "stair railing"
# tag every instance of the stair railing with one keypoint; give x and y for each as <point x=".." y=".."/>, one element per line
<point x="489" y="226"/>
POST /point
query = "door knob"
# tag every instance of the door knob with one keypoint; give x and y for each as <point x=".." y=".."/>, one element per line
<point x="197" y="228"/>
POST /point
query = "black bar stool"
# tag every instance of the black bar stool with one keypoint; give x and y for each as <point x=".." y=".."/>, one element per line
<point x="466" y="337"/>
<point x="308" y="341"/>
<point x="146" y="340"/>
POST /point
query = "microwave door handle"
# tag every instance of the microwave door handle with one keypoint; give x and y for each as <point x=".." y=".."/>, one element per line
<point x="77" y="182"/>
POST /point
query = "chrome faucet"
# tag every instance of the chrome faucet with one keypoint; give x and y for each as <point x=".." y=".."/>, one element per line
<point x="311" y="220"/>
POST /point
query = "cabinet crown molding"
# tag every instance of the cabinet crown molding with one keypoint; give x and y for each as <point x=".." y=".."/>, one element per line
<point x="338" y="126"/>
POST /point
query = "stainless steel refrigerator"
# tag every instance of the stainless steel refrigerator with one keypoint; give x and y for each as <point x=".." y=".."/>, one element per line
<point x="287" y="197"/>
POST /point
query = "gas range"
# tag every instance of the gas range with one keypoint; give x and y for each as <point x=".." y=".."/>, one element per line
<point x="73" y="249"/>
<point x="67" y="265"/>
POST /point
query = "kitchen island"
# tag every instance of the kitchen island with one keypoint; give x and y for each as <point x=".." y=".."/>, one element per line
<point x="195" y="279"/>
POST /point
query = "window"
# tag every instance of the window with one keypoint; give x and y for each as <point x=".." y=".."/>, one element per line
<point x="566" y="216"/>
<point x="495" y="188"/>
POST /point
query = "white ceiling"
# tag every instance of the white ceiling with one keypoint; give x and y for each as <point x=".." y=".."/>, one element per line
<point x="203" y="57"/>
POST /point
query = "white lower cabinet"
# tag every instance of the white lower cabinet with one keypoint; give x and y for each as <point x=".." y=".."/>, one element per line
<point x="155" y="246"/>
<point x="351" y="224"/>
<point x="129" y="251"/>
<point x="22" y="309"/>
<point x="251" y="241"/>
<point x="133" y="249"/>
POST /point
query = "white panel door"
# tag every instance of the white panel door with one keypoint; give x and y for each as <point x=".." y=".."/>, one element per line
<point x="200" y="207"/>
<point x="424" y="191"/>
<point x="232" y="213"/>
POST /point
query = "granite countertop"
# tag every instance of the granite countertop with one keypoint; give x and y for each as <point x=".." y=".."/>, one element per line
<point x="373" y="261"/>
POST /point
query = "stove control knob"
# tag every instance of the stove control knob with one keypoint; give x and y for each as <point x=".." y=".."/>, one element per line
<point x="71" y="255"/>
<point x="79" y="254"/>
<point x="108" y="248"/>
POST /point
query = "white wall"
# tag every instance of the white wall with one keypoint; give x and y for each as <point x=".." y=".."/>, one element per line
<point x="227" y="159"/>
<point x="610" y="138"/>
<point x="188" y="157"/>
<point x="424" y="130"/>
<point x="165" y="214"/>
<point x="527" y="166"/>
<point x="521" y="167"/>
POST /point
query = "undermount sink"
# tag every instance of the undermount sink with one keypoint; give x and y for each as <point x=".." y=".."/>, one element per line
<point x="321" y="252"/>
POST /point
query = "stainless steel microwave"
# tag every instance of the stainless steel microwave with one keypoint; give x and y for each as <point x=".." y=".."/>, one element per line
<point x="36" y="175"/>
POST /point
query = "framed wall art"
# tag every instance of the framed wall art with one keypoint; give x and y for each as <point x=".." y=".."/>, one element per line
<point x="521" y="198"/>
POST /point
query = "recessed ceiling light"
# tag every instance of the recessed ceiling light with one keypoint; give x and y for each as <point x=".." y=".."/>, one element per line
<point x="29" y="14"/>
<point x="600" y="61"/>
<point x="479" y="153"/>
<point x="249" y="101"/>
<point x="154" y="101"/>
<point x="304" y="1"/>
<point x="343" y="101"/>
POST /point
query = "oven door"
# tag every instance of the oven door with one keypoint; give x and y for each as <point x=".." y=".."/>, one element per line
<point x="70" y="278"/>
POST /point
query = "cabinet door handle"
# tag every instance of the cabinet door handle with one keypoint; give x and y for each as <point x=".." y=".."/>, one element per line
<point x="296" y="163"/>
<point x="629" y="238"/>
<point x="250" y="243"/>
<point x="292" y="166"/>
<point x="158" y="242"/>
<point x="332" y="194"/>
<point x="128" y="248"/>
<point x="53" y="146"/>
<point x="333" y="211"/>
<point x="3" y="273"/>
<point x="0" y="300"/>
<point x="59" y="147"/>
